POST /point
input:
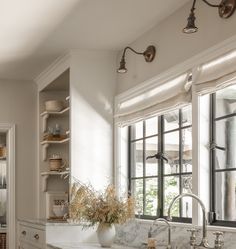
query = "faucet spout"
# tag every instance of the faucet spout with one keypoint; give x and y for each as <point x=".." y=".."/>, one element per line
<point x="169" y="229"/>
<point x="204" y="241"/>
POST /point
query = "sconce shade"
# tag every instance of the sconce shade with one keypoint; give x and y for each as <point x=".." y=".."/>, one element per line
<point x="226" y="9"/>
<point x="191" y="27"/>
<point x="122" y="68"/>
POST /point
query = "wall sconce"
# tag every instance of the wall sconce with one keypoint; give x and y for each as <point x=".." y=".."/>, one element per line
<point x="226" y="9"/>
<point x="148" y="54"/>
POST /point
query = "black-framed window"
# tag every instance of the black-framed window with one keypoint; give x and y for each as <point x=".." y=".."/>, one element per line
<point x="223" y="157"/>
<point x="155" y="182"/>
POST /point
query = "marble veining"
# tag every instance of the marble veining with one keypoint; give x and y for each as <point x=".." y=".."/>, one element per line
<point x="135" y="234"/>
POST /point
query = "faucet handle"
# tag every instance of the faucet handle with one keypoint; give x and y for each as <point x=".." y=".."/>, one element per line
<point x="193" y="230"/>
<point x="219" y="242"/>
<point x="193" y="237"/>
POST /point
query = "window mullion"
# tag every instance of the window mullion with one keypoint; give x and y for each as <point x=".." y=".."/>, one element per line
<point x="212" y="155"/>
<point x="129" y="159"/>
<point x="144" y="167"/>
<point x="161" y="166"/>
<point x="180" y="160"/>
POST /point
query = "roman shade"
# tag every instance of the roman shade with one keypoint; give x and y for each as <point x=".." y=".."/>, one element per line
<point x="216" y="74"/>
<point x="158" y="99"/>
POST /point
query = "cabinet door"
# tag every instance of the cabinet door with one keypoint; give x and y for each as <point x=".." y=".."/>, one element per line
<point x="28" y="246"/>
<point x="23" y="246"/>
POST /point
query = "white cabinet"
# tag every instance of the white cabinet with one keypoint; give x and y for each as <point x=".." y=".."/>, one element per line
<point x="36" y="234"/>
<point x="31" y="236"/>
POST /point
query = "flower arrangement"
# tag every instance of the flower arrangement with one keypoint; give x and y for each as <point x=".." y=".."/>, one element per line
<point x="92" y="207"/>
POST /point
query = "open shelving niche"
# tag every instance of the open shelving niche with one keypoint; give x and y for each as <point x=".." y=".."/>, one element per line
<point x="58" y="89"/>
<point x="45" y="145"/>
<point x="46" y="114"/>
<point x="63" y="174"/>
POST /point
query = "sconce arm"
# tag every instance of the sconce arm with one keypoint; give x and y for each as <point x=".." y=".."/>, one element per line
<point x="206" y="2"/>
<point x="123" y="55"/>
<point x="211" y="5"/>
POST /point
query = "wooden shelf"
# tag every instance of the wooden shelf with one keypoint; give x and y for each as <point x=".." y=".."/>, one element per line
<point x="45" y="115"/>
<point x="55" y="142"/>
<point x="54" y="173"/>
<point x="55" y="113"/>
<point x="45" y="145"/>
<point x="46" y="174"/>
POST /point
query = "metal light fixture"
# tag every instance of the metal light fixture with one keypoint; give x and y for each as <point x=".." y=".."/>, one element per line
<point x="148" y="54"/>
<point x="226" y="9"/>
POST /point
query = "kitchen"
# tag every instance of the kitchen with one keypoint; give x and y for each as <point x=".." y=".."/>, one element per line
<point x="56" y="64"/>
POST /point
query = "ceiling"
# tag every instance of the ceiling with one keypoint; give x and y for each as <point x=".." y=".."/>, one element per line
<point x="34" y="33"/>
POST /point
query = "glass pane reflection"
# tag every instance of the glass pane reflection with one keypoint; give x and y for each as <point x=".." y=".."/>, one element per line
<point x="137" y="193"/>
<point x="152" y="163"/>
<point x="137" y="159"/>
<point x="171" y="148"/>
<point x="171" y="120"/>
<point x="137" y="130"/>
<point x="187" y="150"/>
<point x="151" y="196"/>
<point x="226" y="140"/>
<point x="171" y="190"/>
<point x="151" y="126"/>
<point x="225" y="195"/>
<point x="226" y="99"/>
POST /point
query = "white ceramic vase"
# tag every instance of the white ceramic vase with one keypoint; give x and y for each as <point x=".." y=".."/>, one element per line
<point x="106" y="234"/>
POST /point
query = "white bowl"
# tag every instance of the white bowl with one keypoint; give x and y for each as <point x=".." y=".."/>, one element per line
<point x="59" y="210"/>
<point x="54" y="105"/>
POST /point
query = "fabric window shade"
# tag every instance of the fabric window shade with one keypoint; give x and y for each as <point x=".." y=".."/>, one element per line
<point x="216" y="74"/>
<point x="156" y="100"/>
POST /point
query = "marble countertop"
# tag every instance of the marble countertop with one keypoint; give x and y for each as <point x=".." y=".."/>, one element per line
<point x="44" y="222"/>
<point x="82" y="246"/>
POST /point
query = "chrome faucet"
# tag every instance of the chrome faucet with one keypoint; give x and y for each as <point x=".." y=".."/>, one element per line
<point x="169" y="231"/>
<point x="204" y="241"/>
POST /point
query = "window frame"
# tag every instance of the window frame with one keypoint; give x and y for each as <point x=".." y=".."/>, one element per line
<point x="161" y="141"/>
<point x="212" y="126"/>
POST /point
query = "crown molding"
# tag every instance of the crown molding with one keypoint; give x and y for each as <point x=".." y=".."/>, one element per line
<point x="60" y="65"/>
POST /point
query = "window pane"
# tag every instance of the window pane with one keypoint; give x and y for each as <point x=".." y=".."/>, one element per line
<point x="225" y="101"/>
<point x="187" y="201"/>
<point x="187" y="116"/>
<point x="226" y="139"/>
<point x="137" y="193"/>
<point x="171" y="189"/>
<point x="151" y="126"/>
<point x="151" y="196"/>
<point x="137" y="159"/>
<point x="171" y="120"/>
<point x="187" y="150"/>
<point x="225" y="195"/>
<point x="137" y="130"/>
<point x="152" y="163"/>
<point x="171" y="148"/>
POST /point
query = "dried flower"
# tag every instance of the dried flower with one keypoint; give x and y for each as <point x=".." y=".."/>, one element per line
<point x="92" y="207"/>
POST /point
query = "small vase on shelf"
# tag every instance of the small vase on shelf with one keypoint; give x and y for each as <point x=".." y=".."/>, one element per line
<point x="106" y="234"/>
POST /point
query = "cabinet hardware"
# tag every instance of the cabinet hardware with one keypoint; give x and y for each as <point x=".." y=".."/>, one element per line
<point x="36" y="236"/>
<point x="23" y="232"/>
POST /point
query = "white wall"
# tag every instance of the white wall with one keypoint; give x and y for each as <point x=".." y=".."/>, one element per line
<point x="174" y="47"/>
<point x="18" y="106"/>
<point x="93" y="78"/>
